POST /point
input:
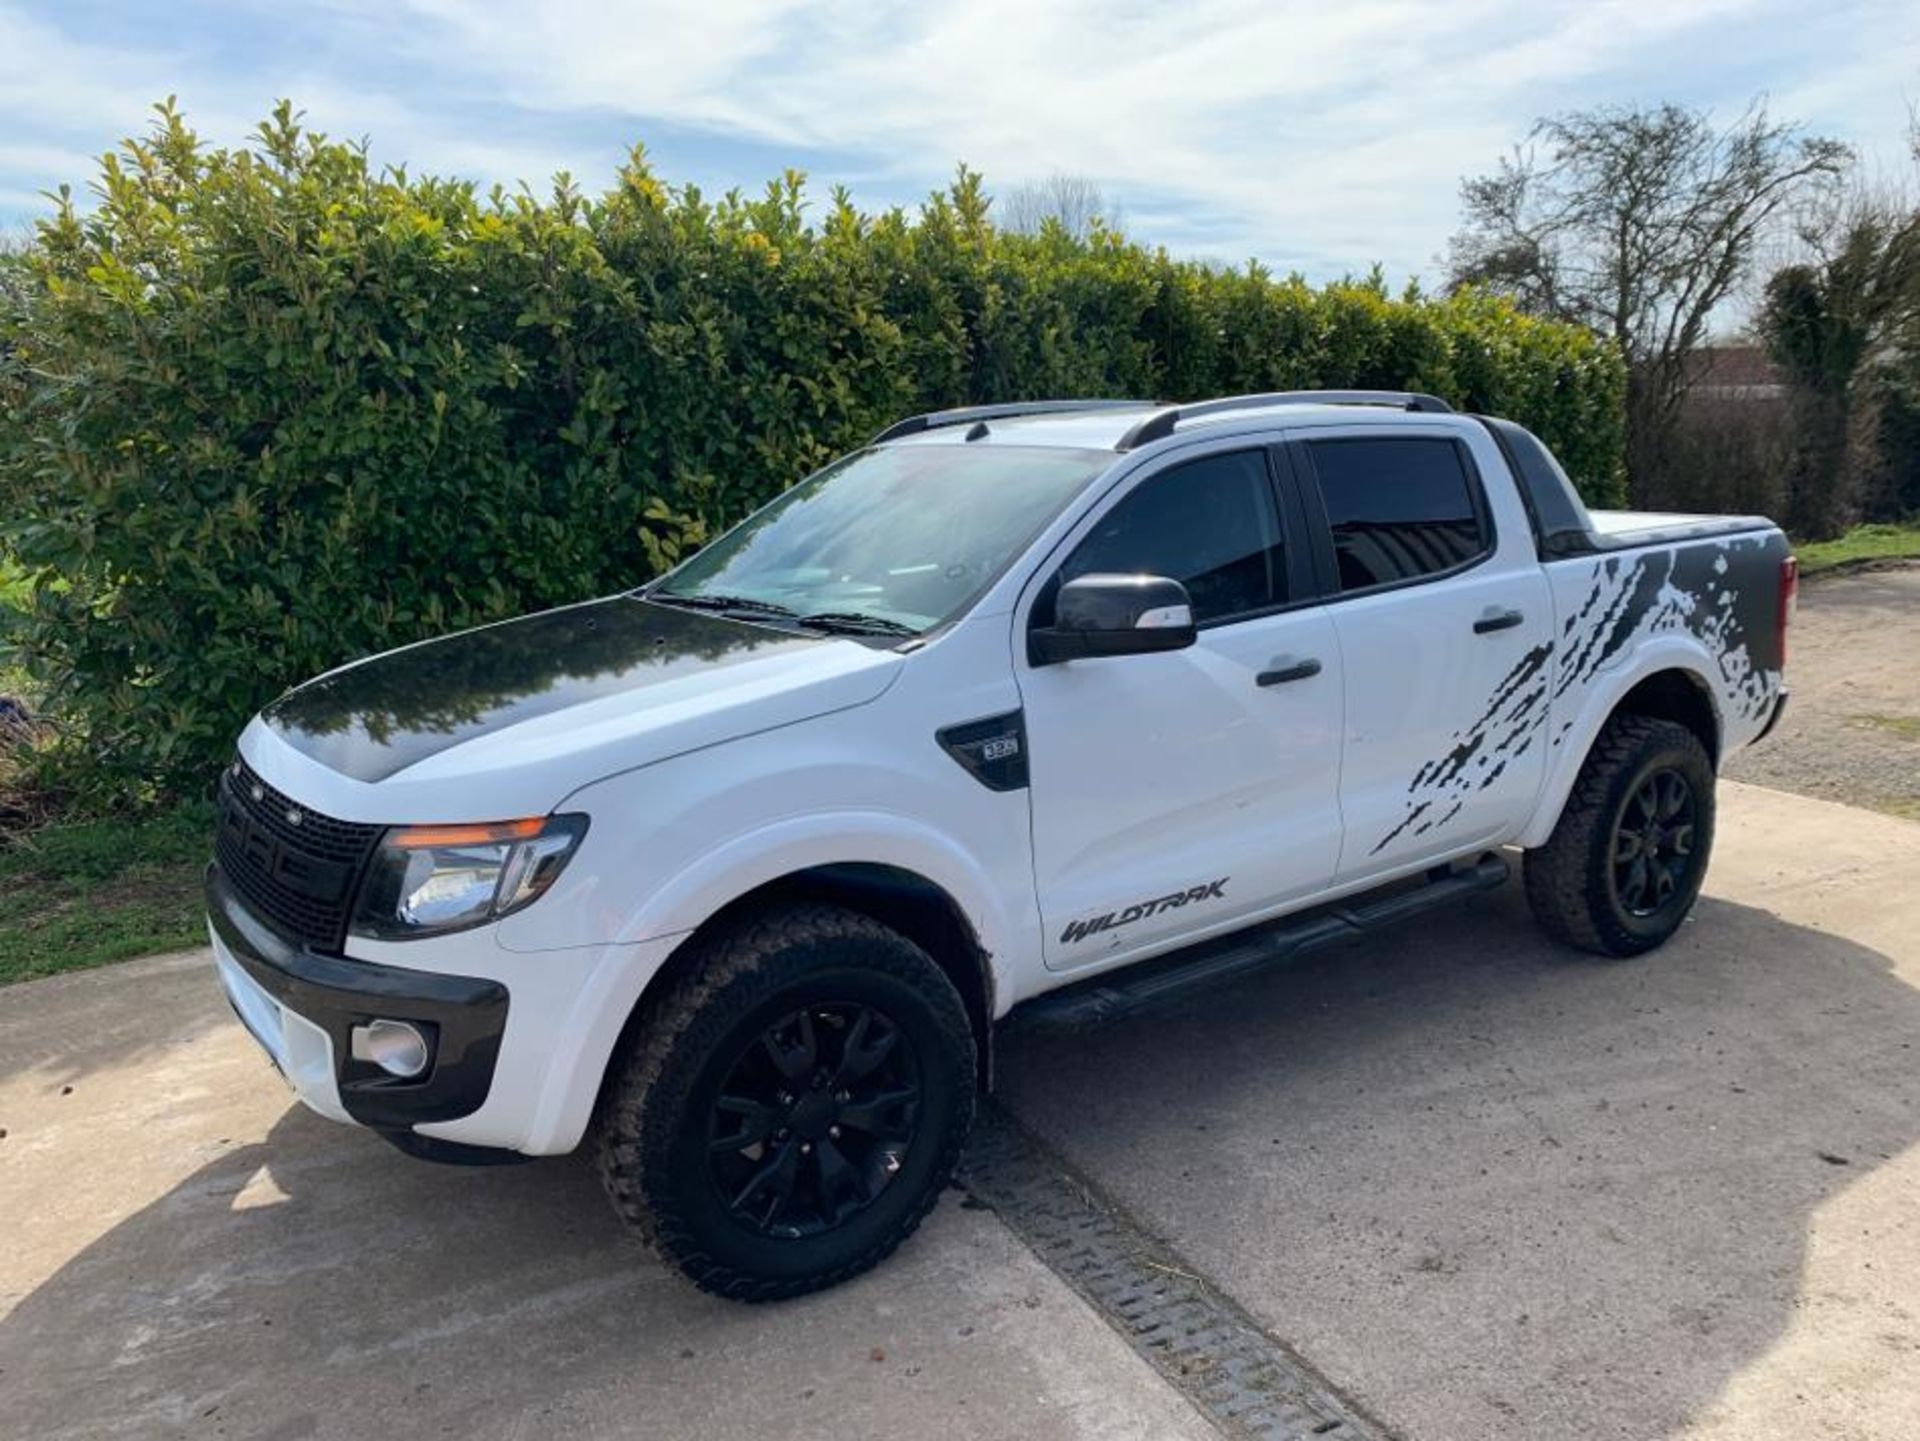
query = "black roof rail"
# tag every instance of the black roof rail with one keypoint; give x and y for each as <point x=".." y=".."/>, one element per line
<point x="1160" y="424"/>
<point x="962" y="415"/>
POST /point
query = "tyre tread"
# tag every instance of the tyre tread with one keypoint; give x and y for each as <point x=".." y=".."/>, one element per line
<point x="1565" y="878"/>
<point x="733" y="968"/>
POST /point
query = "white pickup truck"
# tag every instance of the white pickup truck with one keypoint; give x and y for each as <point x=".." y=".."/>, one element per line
<point x="1053" y="707"/>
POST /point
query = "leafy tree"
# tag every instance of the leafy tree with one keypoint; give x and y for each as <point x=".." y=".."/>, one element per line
<point x="1836" y="325"/>
<point x="1637" y="222"/>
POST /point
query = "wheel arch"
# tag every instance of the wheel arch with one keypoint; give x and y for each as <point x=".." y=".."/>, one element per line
<point x="898" y="897"/>
<point x="1669" y="684"/>
<point x="905" y="873"/>
<point x="1680" y="695"/>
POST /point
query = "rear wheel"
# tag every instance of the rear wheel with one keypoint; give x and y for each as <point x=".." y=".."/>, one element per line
<point x="1625" y="862"/>
<point x="793" y="1107"/>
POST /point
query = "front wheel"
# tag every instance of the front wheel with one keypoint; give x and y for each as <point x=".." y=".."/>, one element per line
<point x="792" y="1108"/>
<point x="1624" y="864"/>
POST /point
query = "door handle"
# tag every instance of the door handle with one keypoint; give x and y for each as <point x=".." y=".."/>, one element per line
<point x="1497" y="620"/>
<point x="1286" y="668"/>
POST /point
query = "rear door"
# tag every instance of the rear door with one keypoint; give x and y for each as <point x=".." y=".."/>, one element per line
<point x="1185" y="791"/>
<point x="1445" y="629"/>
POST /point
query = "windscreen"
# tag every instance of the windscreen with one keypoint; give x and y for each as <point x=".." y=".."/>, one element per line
<point x="904" y="534"/>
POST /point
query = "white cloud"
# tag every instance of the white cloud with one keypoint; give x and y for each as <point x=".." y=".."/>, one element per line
<point x="1311" y="134"/>
<point x="52" y="83"/>
<point x="63" y="101"/>
<point x="1330" y="135"/>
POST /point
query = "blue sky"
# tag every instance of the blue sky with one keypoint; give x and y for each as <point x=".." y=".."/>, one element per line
<point x="1321" y="137"/>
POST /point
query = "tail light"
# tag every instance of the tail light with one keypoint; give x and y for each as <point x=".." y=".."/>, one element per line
<point x="1789" y="602"/>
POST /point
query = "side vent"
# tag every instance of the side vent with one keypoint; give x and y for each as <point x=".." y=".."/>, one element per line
<point x="993" y="750"/>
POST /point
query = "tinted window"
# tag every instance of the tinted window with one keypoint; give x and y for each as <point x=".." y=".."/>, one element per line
<point x="1209" y="524"/>
<point x="1400" y="509"/>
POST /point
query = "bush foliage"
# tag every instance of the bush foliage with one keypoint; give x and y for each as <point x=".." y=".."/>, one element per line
<point x="271" y="408"/>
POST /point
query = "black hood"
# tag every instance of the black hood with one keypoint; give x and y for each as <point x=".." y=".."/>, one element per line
<point x="375" y="718"/>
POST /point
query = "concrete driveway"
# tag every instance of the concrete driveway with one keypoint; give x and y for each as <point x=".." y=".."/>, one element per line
<point x="1485" y="1187"/>
<point x="189" y="1254"/>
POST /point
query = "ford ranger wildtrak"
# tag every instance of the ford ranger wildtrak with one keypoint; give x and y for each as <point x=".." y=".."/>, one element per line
<point x="1058" y="706"/>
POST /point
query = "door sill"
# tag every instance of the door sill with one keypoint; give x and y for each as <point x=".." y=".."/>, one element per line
<point x="1128" y="989"/>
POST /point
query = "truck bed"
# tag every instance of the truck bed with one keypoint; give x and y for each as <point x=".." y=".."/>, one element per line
<point x="1625" y="529"/>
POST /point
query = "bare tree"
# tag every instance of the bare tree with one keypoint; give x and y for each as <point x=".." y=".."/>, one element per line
<point x="1076" y="202"/>
<point x="1638" y="223"/>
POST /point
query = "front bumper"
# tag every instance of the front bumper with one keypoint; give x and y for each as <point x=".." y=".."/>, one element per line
<point x="302" y="1006"/>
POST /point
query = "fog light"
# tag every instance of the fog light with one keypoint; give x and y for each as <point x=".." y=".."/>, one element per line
<point x="396" y="1047"/>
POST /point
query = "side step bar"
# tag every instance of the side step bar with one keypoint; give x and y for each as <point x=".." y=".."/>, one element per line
<point x="1095" y="1002"/>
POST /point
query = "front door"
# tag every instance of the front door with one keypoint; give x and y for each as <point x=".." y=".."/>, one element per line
<point x="1190" y="790"/>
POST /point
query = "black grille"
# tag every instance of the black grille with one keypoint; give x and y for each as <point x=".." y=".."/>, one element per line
<point x="295" y="870"/>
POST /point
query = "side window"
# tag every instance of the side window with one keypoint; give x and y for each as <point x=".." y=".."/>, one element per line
<point x="1209" y="524"/>
<point x="1400" y="509"/>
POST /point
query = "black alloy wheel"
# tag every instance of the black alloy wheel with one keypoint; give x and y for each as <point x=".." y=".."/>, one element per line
<point x="814" y="1119"/>
<point x="790" y="1106"/>
<point x="1625" y="862"/>
<point x="1653" y="852"/>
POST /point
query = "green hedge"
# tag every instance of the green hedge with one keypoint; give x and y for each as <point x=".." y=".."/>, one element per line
<point x="269" y="409"/>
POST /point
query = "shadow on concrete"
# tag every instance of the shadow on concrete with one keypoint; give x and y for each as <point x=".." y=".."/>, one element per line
<point x="1492" y="1189"/>
<point x="1495" y="1188"/>
<point x="319" y="1261"/>
<point x="68" y="1027"/>
<point x="316" y="1282"/>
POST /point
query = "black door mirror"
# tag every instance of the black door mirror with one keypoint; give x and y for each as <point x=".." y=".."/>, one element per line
<point x="1114" y="615"/>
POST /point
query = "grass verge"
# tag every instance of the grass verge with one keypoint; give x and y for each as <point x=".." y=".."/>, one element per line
<point x="1861" y="544"/>
<point x="76" y="894"/>
<point x="1906" y="727"/>
<point x="81" y="893"/>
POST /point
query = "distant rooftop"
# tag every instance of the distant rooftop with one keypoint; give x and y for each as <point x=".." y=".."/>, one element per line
<point x="1735" y="372"/>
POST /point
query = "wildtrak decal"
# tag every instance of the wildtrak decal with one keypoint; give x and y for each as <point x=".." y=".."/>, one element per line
<point x="1080" y="930"/>
<point x="1720" y="593"/>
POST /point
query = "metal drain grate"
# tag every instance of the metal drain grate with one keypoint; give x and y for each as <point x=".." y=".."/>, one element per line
<point x="1240" y="1378"/>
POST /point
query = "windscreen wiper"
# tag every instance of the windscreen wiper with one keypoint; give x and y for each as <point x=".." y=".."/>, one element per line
<point x="848" y="622"/>
<point x="744" y="604"/>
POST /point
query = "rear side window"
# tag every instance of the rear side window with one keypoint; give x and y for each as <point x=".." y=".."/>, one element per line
<point x="1400" y="509"/>
<point x="1209" y="524"/>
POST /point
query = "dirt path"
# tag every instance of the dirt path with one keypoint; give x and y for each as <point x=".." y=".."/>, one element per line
<point x="1852" y="731"/>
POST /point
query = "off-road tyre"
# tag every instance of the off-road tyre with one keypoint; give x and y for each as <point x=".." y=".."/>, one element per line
<point x="653" y="1124"/>
<point x="1571" y="881"/>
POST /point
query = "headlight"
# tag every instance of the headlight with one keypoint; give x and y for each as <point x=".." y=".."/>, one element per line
<point x="427" y="880"/>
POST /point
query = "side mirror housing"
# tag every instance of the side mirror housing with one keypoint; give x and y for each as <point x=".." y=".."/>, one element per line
<point x="1097" y="615"/>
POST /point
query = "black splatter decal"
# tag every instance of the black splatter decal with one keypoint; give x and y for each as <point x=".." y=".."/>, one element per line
<point x="1481" y="750"/>
<point x="1412" y="815"/>
<point x="1722" y="592"/>
<point x="1626" y="605"/>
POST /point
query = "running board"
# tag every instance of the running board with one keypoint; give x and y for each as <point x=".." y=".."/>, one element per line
<point x="1131" y="988"/>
